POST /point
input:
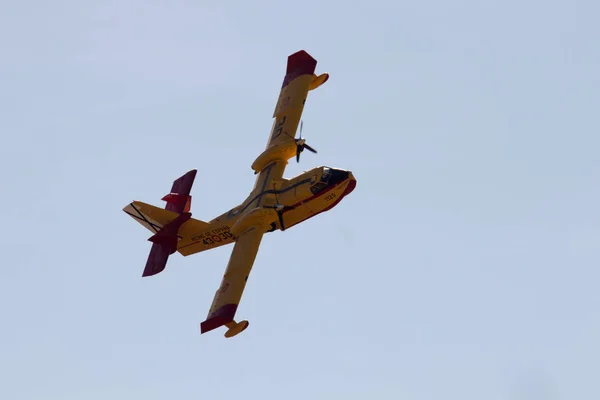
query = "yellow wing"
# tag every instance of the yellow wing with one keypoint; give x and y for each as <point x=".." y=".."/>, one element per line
<point x="299" y="79"/>
<point x="227" y="298"/>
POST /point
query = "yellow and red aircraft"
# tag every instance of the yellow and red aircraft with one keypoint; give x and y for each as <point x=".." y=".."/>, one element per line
<point x="274" y="203"/>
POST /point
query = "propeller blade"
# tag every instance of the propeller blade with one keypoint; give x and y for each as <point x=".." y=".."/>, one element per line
<point x="310" y="148"/>
<point x="301" y="143"/>
<point x="280" y="214"/>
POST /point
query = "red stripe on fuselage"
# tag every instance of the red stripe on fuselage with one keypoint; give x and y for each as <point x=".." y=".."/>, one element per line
<point x="347" y="191"/>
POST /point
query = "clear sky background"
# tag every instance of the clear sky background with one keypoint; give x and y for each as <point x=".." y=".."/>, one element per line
<point x="464" y="265"/>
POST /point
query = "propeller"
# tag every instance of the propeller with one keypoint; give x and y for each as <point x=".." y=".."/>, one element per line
<point x="279" y="208"/>
<point x="301" y="144"/>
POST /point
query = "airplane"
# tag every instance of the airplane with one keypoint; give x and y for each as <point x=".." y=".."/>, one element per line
<point x="275" y="202"/>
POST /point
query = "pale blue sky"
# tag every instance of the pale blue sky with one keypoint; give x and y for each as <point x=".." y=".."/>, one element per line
<point x="464" y="265"/>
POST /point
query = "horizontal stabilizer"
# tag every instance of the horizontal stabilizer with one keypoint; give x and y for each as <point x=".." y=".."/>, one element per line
<point x="168" y="234"/>
<point x="164" y="244"/>
<point x="154" y="219"/>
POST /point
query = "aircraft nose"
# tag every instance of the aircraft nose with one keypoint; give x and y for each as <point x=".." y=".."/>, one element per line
<point x="351" y="184"/>
<point x="338" y="176"/>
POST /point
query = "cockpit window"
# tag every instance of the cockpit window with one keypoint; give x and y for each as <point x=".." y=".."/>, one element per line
<point x="326" y="174"/>
<point x="322" y="184"/>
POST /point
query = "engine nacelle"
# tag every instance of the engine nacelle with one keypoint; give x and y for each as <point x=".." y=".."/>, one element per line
<point x="283" y="152"/>
<point x="260" y="218"/>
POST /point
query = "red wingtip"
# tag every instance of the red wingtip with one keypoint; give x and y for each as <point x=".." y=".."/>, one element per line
<point x="219" y="318"/>
<point x="301" y="61"/>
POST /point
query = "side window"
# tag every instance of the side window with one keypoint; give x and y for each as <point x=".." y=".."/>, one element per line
<point x="317" y="187"/>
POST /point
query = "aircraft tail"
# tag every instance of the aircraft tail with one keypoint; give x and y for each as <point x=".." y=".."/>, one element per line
<point x="169" y="225"/>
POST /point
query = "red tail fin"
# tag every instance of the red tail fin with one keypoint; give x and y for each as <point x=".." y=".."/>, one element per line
<point x="165" y="240"/>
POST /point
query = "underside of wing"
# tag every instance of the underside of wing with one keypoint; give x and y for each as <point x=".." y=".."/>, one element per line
<point x="294" y="90"/>
<point x="299" y="79"/>
<point x="227" y="298"/>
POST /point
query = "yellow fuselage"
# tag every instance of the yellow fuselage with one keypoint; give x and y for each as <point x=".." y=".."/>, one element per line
<point x="290" y="200"/>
